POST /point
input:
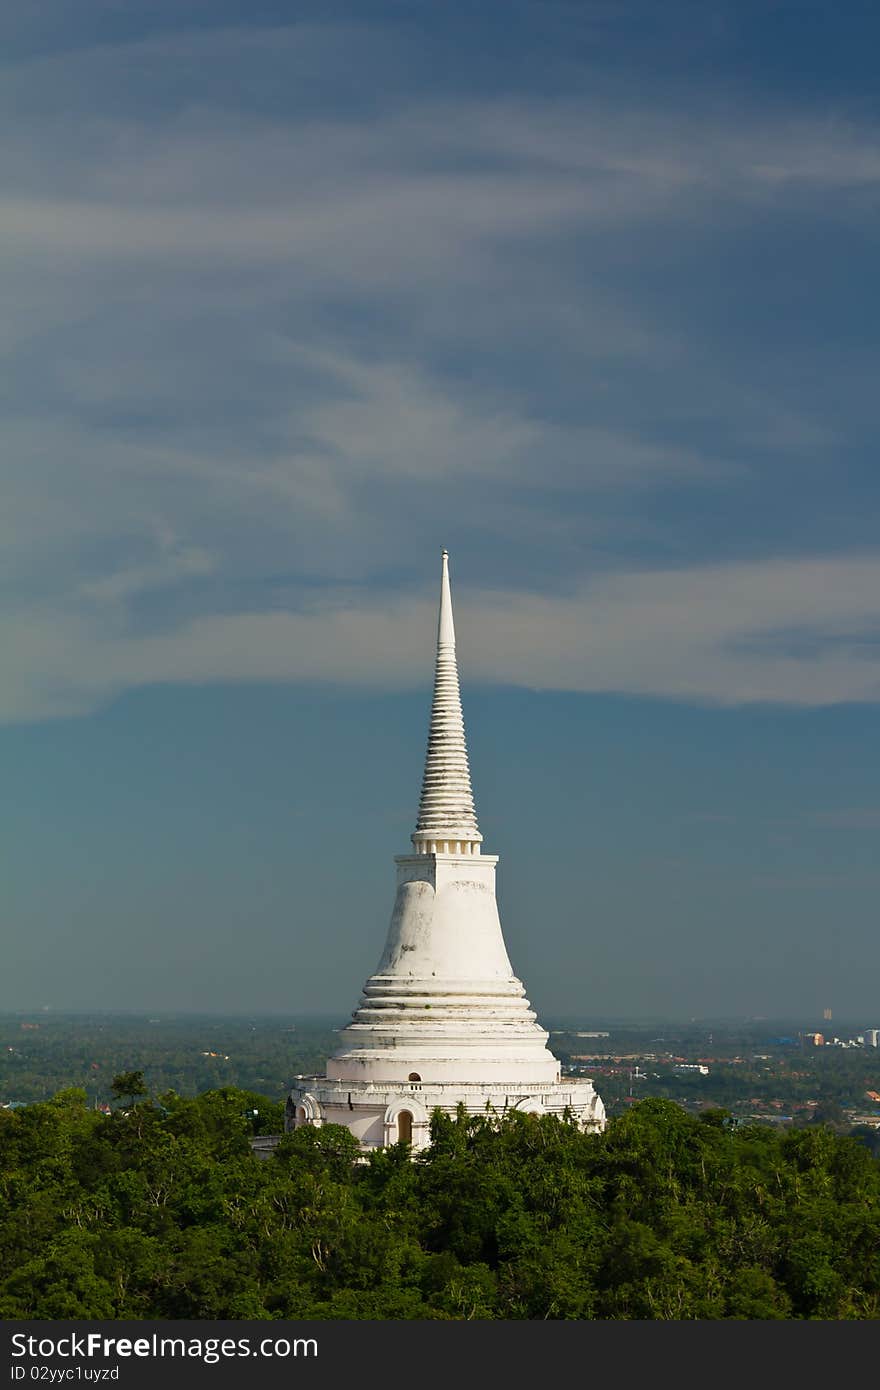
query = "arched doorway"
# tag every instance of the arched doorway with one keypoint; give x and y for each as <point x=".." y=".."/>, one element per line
<point x="406" y="1119"/>
<point x="414" y="1076"/>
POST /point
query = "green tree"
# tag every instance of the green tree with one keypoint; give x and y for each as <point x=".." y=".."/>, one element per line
<point x="128" y="1083"/>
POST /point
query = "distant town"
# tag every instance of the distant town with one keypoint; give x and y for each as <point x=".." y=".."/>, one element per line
<point x="761" y="1071"/>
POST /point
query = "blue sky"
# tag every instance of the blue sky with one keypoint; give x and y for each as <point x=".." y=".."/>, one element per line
<point x="586" y="293"/>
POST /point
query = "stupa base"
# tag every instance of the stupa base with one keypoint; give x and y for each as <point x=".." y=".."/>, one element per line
<point x="379" y="1114"/>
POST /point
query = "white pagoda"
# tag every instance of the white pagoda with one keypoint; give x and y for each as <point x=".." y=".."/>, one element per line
<point x="444" y="1021"/>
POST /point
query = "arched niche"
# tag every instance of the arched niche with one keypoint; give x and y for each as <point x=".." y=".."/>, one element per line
<point x="307" y="1111"/>
<point x="530" y="1105"/>
<point x="406" y="1119"/>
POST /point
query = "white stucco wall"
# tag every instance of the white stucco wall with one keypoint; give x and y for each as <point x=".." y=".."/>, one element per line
<point x="445" y="920"/>
<point x="444" y="1001"/>
<point x="369" y="1111"/>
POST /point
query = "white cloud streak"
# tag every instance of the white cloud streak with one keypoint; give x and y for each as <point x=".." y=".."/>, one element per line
<point x="235" y="347"/>
<point x="800" y="633"/>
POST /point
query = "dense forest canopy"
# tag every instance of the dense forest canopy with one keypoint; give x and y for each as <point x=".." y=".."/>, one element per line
<point x="160" y="1210"/>
<point x="44" y="1053"/>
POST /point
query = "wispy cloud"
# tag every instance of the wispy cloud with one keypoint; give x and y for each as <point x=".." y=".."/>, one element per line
<point x="848" y="818"/>
<point x="693" y="634"/>
<point x="255" y="360"/>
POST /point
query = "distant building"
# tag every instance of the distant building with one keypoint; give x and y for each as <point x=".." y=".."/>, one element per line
<point x="691" y="1069"/>
<point x="817" y="1039"/>
<point x="872" y="1037"/>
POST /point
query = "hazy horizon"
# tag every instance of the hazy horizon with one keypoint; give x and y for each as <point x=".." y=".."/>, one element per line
<point x="556" y="1024"/>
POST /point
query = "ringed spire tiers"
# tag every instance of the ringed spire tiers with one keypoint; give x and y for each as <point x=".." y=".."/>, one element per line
<point x="447" y="819"/>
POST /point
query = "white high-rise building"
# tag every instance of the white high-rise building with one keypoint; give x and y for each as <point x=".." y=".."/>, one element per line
<point x="443" y="1021"/>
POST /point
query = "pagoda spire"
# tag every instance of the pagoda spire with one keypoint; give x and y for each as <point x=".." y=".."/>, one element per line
<point x="447" y="822"/>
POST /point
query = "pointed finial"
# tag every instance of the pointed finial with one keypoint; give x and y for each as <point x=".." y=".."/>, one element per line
<point x="446" y="810"/>
<point x="445" y="625"/>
